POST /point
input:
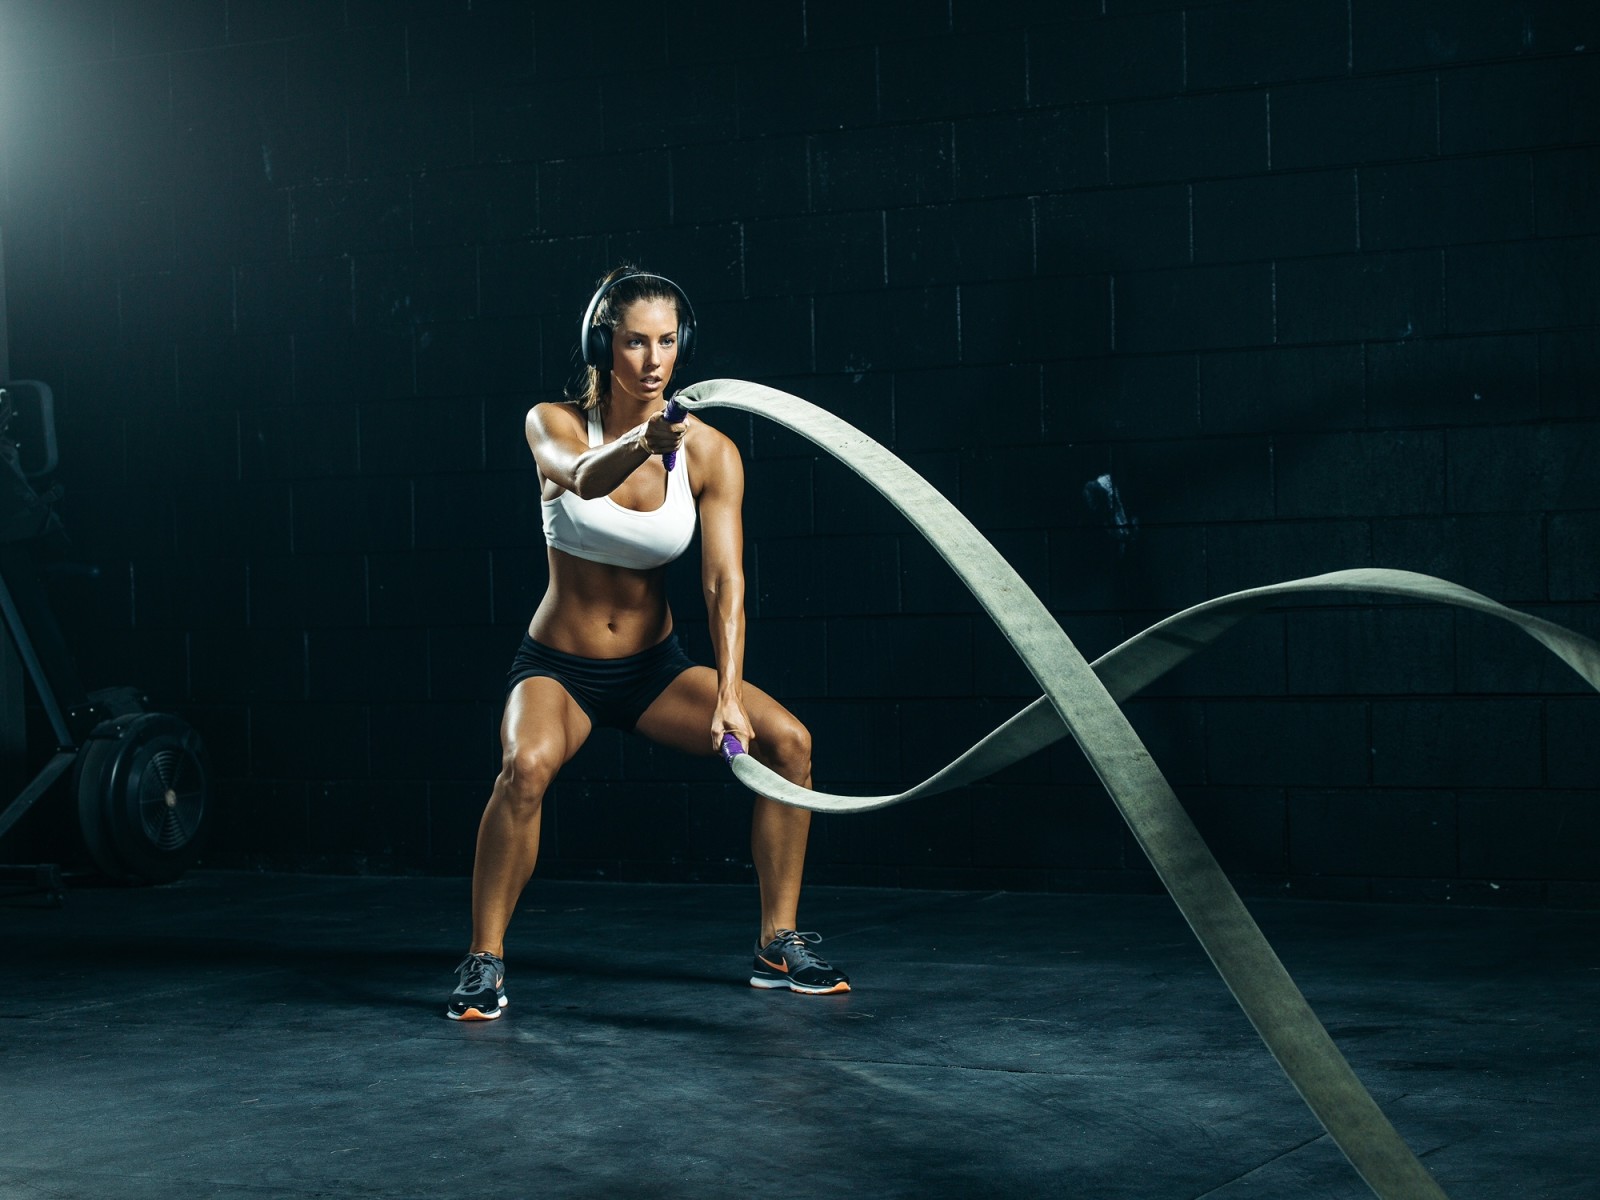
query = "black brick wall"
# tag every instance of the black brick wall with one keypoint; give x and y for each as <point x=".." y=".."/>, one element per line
<point x="1316" y="283"/>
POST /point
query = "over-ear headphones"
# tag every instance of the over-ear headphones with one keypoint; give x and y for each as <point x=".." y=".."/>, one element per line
<point x="595" y="340"/>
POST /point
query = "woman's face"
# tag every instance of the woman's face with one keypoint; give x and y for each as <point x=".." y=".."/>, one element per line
<point x="644" y="349"/>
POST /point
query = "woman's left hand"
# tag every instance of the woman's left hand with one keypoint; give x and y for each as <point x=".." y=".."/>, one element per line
<point x="729" y="717"/>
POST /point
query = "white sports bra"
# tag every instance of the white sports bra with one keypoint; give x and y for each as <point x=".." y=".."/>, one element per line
<point x="602" y="531"/>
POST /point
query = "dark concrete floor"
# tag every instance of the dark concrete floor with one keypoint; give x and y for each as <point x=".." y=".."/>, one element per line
<point x="241" y="1035"/>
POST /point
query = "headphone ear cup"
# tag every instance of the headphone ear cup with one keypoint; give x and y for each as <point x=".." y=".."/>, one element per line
<point x="685" y="342"/>
<point x="597" y="347"/>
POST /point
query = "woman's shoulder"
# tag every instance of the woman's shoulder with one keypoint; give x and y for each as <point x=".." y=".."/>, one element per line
<point x="555" y="414"/>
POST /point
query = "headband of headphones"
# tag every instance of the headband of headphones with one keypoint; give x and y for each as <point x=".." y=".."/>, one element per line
<point x="594" y="340"/>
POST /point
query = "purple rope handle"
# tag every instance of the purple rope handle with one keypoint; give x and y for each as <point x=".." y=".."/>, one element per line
<point x="675" y="413"/>
<point x="731" y="748"/>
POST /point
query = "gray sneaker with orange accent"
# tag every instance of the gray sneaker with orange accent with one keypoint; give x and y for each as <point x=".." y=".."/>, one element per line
<point x="788" y="961"/>
<point x="481" y="993"/>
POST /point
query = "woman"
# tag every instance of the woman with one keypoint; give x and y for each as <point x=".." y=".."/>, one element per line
<point x="600" y="649"/>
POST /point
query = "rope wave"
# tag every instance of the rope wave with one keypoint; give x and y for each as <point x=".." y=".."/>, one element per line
<point x="1082" y="701"/>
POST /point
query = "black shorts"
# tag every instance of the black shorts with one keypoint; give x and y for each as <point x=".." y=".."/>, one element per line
<point x="612" y="691"/>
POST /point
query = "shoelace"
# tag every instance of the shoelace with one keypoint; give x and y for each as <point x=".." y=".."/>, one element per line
<point x="476" y="966"/>
<point x="800" y="944"/>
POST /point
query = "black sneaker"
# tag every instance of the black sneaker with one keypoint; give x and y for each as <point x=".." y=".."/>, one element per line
<point x="481" y="994"/>
<point x="788" y="961"/>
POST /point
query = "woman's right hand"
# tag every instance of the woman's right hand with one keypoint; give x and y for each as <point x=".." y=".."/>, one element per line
<point x="657" y="436"/>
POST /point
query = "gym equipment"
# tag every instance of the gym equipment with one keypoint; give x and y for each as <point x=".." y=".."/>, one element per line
<point x="139" y="778"/>
<point x="1083" y="701"/>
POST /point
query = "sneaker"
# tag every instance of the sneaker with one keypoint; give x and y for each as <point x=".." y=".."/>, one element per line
<point x="481" y="994"/>
<point x="788" y="961"/>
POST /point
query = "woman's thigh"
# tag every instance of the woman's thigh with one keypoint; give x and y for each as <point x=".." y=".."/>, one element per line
<point x="681" y="716"/>
<point x="542" y="719"/>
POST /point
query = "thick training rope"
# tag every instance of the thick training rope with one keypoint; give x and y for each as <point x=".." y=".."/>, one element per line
<point x="1082" y="701"/>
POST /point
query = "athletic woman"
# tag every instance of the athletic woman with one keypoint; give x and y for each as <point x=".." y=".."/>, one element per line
<point x="601" y="650"/>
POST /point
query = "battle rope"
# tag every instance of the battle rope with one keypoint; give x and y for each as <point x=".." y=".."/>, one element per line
<point x="1082" y="701"/>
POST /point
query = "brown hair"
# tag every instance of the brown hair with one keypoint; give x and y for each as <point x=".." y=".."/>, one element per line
<point x="592" y="387"/>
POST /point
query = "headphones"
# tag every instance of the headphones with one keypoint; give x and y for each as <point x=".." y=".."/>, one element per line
<point x="594" y="340"/>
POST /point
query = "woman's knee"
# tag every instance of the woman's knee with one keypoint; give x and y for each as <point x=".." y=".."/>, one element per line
<point x="525" y="775"/>
<point x="787" y="747"/>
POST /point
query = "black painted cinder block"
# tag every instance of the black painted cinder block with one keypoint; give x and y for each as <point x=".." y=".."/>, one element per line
<point x="1035" y="320"/>
<point x="1191" y="137"/>
<point x="844" y="503"/>
<point x="542" y="275"/>
<point x="1354" y="121"/>
<point x="581" y="196"/>
<point x="392" y="136"/>
<point x="1547" y="102"/>
<point x="463" y="52"/>
<point x="1050" y="150"/>
<point x="952" y="76"/>
<point x="1388" y="833"/>
<point x="524" y="123"/>
<point x="1396" y="36"/>
<point x="1366" y="651"/>
<point x="308" y="591"/>
<point x="1218" y="479"/>
<point x="1574" y="565"/>
<point x="350" y="515"/>
<point x="1113" y="58"/>
<point x="818" y="577"/>
<point x="1246" y="555"/>
<point x="1275" y="216"/>
<point x="304" y="295"/>
<point x="1524" y="285"/>
<point x="743" y="179"/>
<point x="1459" y="381"/>
<point x="439" y="587"/>
<point x="1265" y="41"/>
<point x="1122" y="397"/>
<point x="1361" y="296"/>
<point x="1045" y="826"/>
<point x="394" y="292"/>
<point x="224" y="514"/>
<point x="467" y="664"/>
<point x="887" y="330"/>
<point x="341" y="367"/>
<point x="1566" y="192"/>
<point x="158" y="308"/>
<point x="845" y="23"/>
<point x="1173" y="731"/>
<point x="1156" y="569"/>
<point x="1460" y="742"/>
<point x="435" y="741"/>
<point x="788" y="658"/>
<point x="1522" y="835"/>
<point x="755" y="339"/>
<point x="1282" y="388"/>
<point x="1446" y="202"/>
<point x="1113" y="230"/>
<point x="1498" y="554"/>
<point x="482" y="357"/>
<point x="960" y="242"/>
<point x="1572" y="752"/>
<point x="231" y="372"/>
<point x="959" y="407"/>
<point x="233" y="666"/>
<point x="703" y="108"/>
<point x="476" y="204"/>
<point x="848" y="740"/>
<point x="874" y="168"/>
<point x="342" y="218"/>
<point x="723" y="31"/>
<point x="163" y="29"/>
<point x="298" y="443"/>
<point x="778" y="498"/>
<point x="708" y="261"/>
<point x="352" y="665"/>
<point x="1194" y="308"/>
<point x="1524" y="468"/>
<point x="907" y="655"/>
<point x="1353" y="474"/>
<point x="838" y="252"/>
<point x="481" y="509"/>
<point x="1287" y="742"/>
<point x="807" y="92"/>
<point x="1022" y="487"/>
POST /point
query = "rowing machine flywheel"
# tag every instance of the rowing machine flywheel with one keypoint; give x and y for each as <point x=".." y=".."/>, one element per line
<point x="143" y="796"/>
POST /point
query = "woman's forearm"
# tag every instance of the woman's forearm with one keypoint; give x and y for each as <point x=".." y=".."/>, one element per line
<point x="725" y="606"/>
<point x="601" y="470"/>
